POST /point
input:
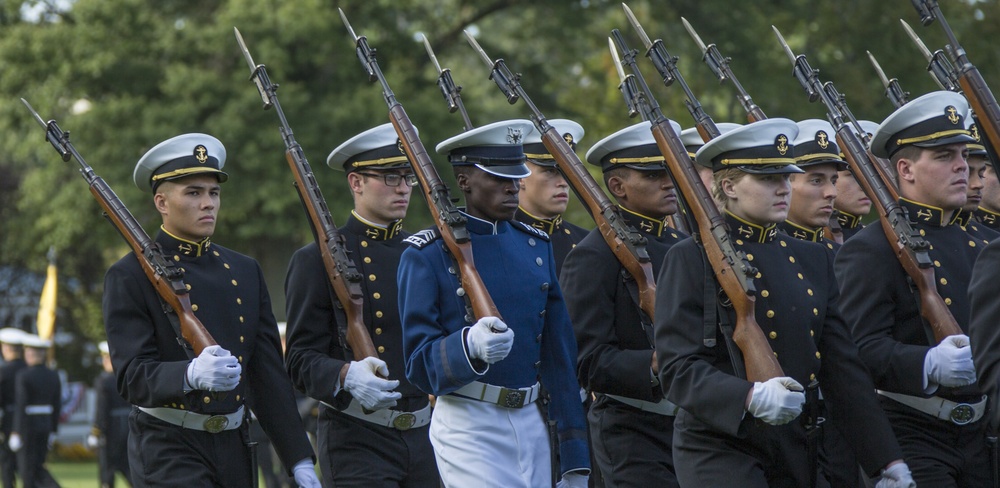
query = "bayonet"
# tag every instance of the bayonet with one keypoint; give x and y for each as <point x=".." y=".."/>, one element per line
<point x="350" y="30"/>
<point x="893" y="91"/>
<point x="259" y="76"/>
<point x="499" y="73"/>
<point x="916" y="40"/>
<point x="638" y="28"/>
<point x="801" y="69"/>
<point x="694" y="35"/>
<point x="246" y="52"/>
<point x="627" y="83"/>
<point x="479" y="49"/>
<point x="450" y="91"/>
<point x="938" y="65"/>
<point x="719" y="65"/>
<point x="430" y="53"/>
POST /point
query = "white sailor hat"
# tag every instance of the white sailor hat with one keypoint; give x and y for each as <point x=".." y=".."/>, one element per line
<point x="536" y="152"/>
<point x="632" y="147"/>
<point x="180" y="156"/>
<point x="494" y="148"/>
<point x="935" y="119"/>
<point x="377" y="148"/>
<point x="32" y="340"/>
<point x="692" y="139"/>
<point x="763" y="147"/>
<point x="817" y="144"/>
<point x="103" y="347"/>
<point x="12" y="336"/>
<point x="976" y="148"/>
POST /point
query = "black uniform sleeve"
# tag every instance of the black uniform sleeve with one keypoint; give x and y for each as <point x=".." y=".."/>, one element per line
<point x="984" y="334"/>
<point x="592" y="289"/>
<point x="314" y="357"/>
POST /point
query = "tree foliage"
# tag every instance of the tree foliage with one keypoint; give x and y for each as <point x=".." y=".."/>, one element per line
<point x="123" y="75"/>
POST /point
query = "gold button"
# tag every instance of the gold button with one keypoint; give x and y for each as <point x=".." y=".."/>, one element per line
<point x="173" y="405"/>
<point x="242" y="338"/>
<point x="815" y="311"/>
<point x="241" y="319"/>
<point x="812" y="377"/>
<point x="378" y="314"/>
<point x="739" y="241"/>
<point x="922" y="232"/>
<point x="801" y="277"/>
<point x="215" y="252"/>
<point x="812" y="333"/>
<point x="207" y="400"/>
<point x="783" y="243"/>
<point x="749" y="257"/>
<point x="234" y="282"/>
<point x="947" y="301"/>
<point x="566" y="231"/>
<point x="240" y="358"/>
<point x="226" y="265"/>
<point x="764" y="293"/>
<point x="791" y="259"/>
<point x="775" y="353"/>
<point x="378" y="331"/>
<point x="194" y="307"/>
<point x="237" y="398"/>
<point x="773" y="335"/>
<point x="818" y="355"/>
<point x="931" y="247"/>
<point x="239" y="301"/>
<point x="177" y="258"/>
<point x="758" y="275"/>
<point x="181" y="406"/>
<point x="371" y="277"/>
<point x="364" y="243"/>
<point x="381" y="349"/>
<point x="188" y="286"/>
<point x="829" y="245"/>
<point x="770" y="314"/>
<point x="376" y="295"/>
<point x="671" y="235"/>
<point x="943" y="281"/>
<point x="368" y="259"/>
<point x="972" y="243"/>
<point x="937" y="263"/>
<point x="809" y="291"/>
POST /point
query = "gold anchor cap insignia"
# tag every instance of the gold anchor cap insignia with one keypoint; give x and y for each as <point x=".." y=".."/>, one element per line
<point x="201" y="153"/>
<point x="974" y="130"/>
<point x="781" y="144"/>
<point x="822" y="139"/>
<point x="953" y="116"/>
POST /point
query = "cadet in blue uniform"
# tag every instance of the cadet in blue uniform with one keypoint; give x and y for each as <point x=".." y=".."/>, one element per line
<point x="372" y="431"/>
<point x="188" y="427"/>
<point x="729" y="428"/>
<point x="486" y="373"/>
<point x="13" y="357"/>
<point x="927" y="390"/>
<point x="110" y="432"/>
<point x="38" y="398"/>
<point x="545" y="193"/>
<point x="630" y="422"/>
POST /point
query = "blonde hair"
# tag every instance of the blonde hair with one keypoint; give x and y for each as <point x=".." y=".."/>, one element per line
<point x="732" y="174"/>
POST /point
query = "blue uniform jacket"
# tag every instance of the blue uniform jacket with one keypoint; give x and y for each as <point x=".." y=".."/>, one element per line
<point x="516" y="264"/>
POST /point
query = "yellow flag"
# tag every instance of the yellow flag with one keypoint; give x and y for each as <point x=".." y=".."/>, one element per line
<point x="47" y="304"/>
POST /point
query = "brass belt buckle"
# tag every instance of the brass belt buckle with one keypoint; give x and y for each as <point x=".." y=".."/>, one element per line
<point x="216" y="424"/>
<point x="511" y="398"/>
<point x="962" y="414"/>
<point x="404" y="421"/>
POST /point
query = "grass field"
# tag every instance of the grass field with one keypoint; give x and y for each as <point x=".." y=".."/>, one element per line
<point x="79" y="474"/>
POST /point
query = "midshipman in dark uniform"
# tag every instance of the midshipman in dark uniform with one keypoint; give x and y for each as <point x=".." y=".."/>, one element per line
<point x="813" y="192"/>
<point x="927" y="390"/>
<point x="110" y="432"/>
<point x="545" y="193"/>
<point x="978" y="161"/>
<point x="38" y="398"/>
<point x="13" y="357"/>
<point x="630" y="422"/>
<point x="852" y="204"/>
<point x="730" y="430"/>
<point x="372" y="431"/>
<point x="188" y="427"/>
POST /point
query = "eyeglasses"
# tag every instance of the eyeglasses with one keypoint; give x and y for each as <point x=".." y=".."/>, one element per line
<point x="393" y="179"/>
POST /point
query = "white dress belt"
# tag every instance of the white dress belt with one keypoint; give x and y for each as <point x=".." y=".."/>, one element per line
<point x="499" y="395"/>
<point x="389" y="418"/>
<point x="197" y="421"/>
<point x="662" y="407"/>
<point x="935" y="406"/>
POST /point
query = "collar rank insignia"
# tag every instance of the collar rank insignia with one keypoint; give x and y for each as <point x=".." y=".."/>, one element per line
<point x="822" y="139"/>
<point x="952" y="114"/>
<point x="799" y="234"/>
<point x="201" y="153"/>
<point x="371" y="233"/>
<point x="924" y="214"/>
<point x="745" y="231"/>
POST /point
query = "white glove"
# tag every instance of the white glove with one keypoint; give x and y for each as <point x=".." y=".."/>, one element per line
<point x="15" y="442"/>
<point x="214" y="370"/>
<point x="305" y="475"/>
<point x="777" y="401"/>
<point x="489" y="339"/>
<point x="93" y="441"/>
<point x="373" y="392"/>
<point x="573" y="479"/>
<point x="949" y="363"/>
<point x="897" y="476"/>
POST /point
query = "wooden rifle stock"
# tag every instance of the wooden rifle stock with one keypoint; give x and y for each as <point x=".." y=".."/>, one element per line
<point x="609" y="221"/>
<point x="449" y="221"/>
<point x="166" y="278"/>
<point x="340" y="270"/>
<point x="758" y="357"/>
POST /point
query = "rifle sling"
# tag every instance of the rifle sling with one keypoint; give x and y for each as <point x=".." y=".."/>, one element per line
<point x="633" y="291"/>
<point x="175" y="323"/>
<point x="716" y="314"/>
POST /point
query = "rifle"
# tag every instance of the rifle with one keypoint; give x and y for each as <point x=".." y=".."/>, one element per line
<point x="451" y="92"/>
<point x="628" y="245"/>
<point x="731" y="268"/>
<point x="893" y="91"/>
<point x="946" y="76"/>
<point x="340" y="270"/>
<point x="166" y="277"/>
<point x="911" y="249"/>
<point x="720" y="66"/>
<point x="449" y="220"/>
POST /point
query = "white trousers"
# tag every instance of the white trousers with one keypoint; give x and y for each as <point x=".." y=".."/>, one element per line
<point x="482" y="445"/>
